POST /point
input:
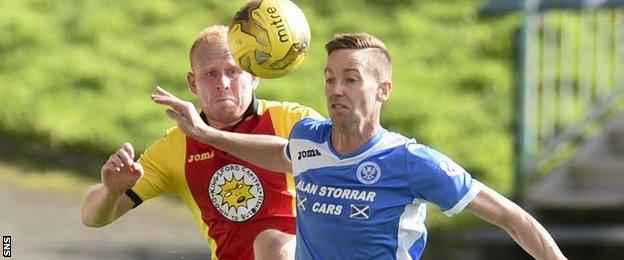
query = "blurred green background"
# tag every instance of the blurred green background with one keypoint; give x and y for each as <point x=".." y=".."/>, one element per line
<point x="75" y="75"/>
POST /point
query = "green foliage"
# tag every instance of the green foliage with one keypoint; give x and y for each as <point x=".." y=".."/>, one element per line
<point x="81" y="71"/>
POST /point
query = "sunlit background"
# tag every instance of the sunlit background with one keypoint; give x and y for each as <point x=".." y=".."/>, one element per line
<point x="503" y="87"/>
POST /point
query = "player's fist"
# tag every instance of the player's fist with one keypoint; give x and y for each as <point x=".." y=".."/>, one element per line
<point x="120" y="172"/>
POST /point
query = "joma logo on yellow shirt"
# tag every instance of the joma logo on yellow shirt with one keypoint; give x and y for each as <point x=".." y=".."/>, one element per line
<point x="200" y="157"/>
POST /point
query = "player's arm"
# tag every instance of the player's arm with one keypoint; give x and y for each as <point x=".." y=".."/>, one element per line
<point x="443" y="182"/>
<point x="107" y="201"/>
<point x="265" y="151"/>
<point x="522" y="227"/>
<point x="101" y="208"/>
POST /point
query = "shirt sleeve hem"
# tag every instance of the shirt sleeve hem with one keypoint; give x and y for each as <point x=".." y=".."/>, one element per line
<point x="134" y="197"/>
<point x="286" y="152"/>
<point x="463" y="202"/>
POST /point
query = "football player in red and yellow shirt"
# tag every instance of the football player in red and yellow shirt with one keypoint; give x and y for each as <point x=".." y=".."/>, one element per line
<point x="232" y="200"/>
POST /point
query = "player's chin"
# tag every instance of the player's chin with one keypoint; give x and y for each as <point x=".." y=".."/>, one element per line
<point x="224" y="103"/>
<point x="225" y="107"/>
<point x="340" y="116"/>
<point x="227" y="113"/>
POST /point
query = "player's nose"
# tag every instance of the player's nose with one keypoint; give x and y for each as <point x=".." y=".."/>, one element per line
<point x="223" y="82"/>
<point x="335" y="90"/>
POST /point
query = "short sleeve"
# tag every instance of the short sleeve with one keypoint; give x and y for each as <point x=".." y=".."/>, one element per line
<point x="436" y="178"/>
<point x="297" y="127"/>
<point x="307" y="128"/>
<point x="156" y="162"/>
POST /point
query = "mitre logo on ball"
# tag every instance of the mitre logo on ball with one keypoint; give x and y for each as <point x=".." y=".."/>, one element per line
<point x="269" y="38"/>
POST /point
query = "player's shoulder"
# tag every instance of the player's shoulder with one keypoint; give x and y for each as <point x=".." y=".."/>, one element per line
<point x="172" y="142"/>
<point x="391" y="140"/>
<point x="312" y="129"/>
<point x="423" y="156"/>
<point x="173" y="135"/>
<point x="419" y="150"/>
<point x="416" y="149"/>
<point x="281" y="107"/>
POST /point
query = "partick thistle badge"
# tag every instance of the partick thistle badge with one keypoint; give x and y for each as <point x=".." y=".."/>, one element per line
<point x="236" y="192"/>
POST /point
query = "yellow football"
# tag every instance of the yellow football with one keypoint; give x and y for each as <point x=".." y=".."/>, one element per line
<point x="269" y="38"/>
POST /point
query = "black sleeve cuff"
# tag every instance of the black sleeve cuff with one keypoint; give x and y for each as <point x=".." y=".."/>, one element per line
<point x="134" y="197"/>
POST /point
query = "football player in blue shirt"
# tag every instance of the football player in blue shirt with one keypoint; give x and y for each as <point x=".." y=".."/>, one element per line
<point x="362" y="190"/>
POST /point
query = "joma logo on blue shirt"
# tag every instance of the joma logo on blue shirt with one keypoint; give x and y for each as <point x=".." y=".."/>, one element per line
<point x="308" y="153"/>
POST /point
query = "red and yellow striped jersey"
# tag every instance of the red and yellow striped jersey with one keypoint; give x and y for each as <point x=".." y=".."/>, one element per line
<point x="231" y="200"/>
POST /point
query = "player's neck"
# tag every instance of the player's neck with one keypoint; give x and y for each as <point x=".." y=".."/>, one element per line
<point x="218" y="124"/>
<point x="348" y="139"/>
<point x="221" y="125"/>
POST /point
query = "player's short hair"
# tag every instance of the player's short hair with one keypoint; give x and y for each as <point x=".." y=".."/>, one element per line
<point x="215" y="35"/>
<point x="378" y="53"/>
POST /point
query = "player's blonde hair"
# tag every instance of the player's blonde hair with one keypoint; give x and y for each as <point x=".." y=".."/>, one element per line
<point x="364" y="41"/>
<point x="215" y="35"/>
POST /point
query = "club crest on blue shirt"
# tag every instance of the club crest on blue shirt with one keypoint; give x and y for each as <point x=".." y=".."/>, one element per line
<point x="368" y="173"/>
<point x="450" y="167"/>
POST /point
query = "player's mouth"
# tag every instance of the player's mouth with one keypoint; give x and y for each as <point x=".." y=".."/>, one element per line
<point x="337" y="106"/>
<point x="219" y="100"/>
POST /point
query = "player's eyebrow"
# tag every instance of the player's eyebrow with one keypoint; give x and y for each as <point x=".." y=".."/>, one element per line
<point x="351" y="70"/>
<point x="353" y="67"/>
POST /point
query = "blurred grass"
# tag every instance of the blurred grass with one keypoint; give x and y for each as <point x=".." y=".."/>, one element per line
<point x="70" y="183"/>
<point x="55" y="181"/>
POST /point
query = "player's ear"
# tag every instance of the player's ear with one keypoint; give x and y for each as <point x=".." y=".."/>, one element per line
<point x="190" y="80"/>
<point x="254" y="81"/>
<point x="383" y="91"/>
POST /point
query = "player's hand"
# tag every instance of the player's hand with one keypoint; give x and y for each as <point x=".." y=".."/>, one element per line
<point x="120" y="172"/>
<point x="184" y="113"/>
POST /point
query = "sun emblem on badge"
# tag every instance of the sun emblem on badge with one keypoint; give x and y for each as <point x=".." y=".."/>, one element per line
<point x="236" y="193"/>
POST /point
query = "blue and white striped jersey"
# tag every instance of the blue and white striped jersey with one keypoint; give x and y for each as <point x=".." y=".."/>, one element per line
<point x="370" y="204"/>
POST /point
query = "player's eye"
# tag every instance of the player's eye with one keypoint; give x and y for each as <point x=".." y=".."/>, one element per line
<point x="233" y="71"/>
<point x="212" y="73"/>
<point x="329" y="81"/>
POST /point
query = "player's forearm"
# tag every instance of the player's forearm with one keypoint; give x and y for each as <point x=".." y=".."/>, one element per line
<point x="524" y="229"/>
<point x="532" y="236"/>
<point x="99" y="207"/>
<point x="265" y="151"/>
